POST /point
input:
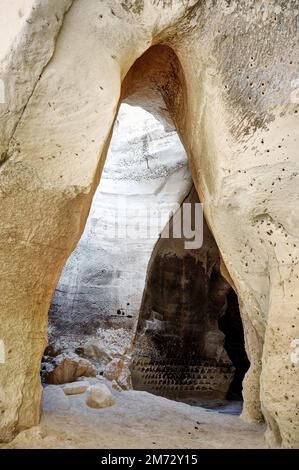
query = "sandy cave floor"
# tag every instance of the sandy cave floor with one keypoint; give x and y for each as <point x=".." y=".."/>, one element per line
<point x="138" y="420"/>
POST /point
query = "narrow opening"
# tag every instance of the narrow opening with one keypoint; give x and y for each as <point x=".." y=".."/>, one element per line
<point x="160" y="310"/>
<point x="189" y="344"/>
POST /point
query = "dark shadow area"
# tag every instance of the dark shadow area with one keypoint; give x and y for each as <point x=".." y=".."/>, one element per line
<point x="231" y="325"/>
<point x="180" y="351"/>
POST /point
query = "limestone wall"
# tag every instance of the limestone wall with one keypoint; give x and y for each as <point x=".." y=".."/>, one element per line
<point x="145" y="178"/>
<point x="228" y="73"/>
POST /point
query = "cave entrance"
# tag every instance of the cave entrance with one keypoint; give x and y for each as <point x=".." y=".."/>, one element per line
<point x="182" y="348"/>
<point x="231" y="325"/>
<point x="189" y="343"/>
<point x="96" y="304"/>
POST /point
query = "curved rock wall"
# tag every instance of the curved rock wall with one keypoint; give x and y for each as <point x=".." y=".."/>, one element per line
<point x="228" y="73"/>
<point x="145" y="178"/>
<point x="13" y="14"/>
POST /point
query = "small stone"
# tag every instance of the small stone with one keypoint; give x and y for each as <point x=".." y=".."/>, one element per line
<point x="94" y="350"/>
<point x="115" y="386"/>
<point x="124" y="379"/>
<point x="99" y="396"/>
<point x="118" y="370"/>
<point x="75" y="388"/>
<point x="113" y="369"/>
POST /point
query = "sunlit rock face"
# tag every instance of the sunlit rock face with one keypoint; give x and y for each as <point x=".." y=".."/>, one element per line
<point x="13" y="15"/>
<point x="229" y="78"/>
<point x="145" y="177"/>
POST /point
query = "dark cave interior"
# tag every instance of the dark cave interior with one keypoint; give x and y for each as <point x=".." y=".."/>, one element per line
<point x="189" y="343"/>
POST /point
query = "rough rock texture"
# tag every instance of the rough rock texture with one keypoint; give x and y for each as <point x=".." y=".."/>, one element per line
<point x="99" y="396"/>
<point x="28" y="30"/>
<point x="67" y="368"/>
<point x="228" y="74"/>
<point x="75" y="388"/>
<point x="118" y="371"/>
<point x="146" y="175"/>
<point x="107" y="344"/>
<point x="179" y="349"/>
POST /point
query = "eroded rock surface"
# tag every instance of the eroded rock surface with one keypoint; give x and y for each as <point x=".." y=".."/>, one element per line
<point x="66" y="368"/>
<point x="228" y="73"/>
<point x="75" y="388"/>
<point x="179" y="350"/>
<point x="118" y="371"/>
<point x="99" y="396"/>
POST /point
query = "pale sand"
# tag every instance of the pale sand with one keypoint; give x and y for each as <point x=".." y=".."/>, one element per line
<point x="138" y="420"/>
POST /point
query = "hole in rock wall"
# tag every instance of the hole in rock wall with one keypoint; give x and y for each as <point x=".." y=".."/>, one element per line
<point x="189" y="343"/>
<point x="130" y="305"/>
<point x="96" y="304"/>
<point x="231" y="325"/>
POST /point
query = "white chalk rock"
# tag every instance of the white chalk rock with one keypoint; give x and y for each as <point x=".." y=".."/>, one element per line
<point x="99" y="397"/>
<point x="75" y="388"/>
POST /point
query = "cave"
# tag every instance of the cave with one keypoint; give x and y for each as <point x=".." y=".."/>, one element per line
<point x="222" y="78"/>
<point x="231" y="325"/>
<point x="189" y="342"/>
<point x="168" y="306"/>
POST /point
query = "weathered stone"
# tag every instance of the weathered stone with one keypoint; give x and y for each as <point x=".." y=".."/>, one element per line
<point x="124" y="379"/>
<point x="99" y="396"/>
<point x="54" y="399"/>
<point x="94" y="350"/>
<point x="178" y="349"/>
<point x="115" y="386"/>
<point x="107" y="343"/>
<point x="99" y="293"/>
<point x="75" y="388"/>
<point x="229" y="76"/>
<point x="67" y="368"/>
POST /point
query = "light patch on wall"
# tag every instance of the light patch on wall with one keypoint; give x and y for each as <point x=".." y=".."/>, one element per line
<point x="13" y="14"/>
<point x="2" y="352"/>
<point x="2" y="94"/>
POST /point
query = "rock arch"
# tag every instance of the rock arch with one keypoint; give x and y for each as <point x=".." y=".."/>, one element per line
<point x="235" y="111"/>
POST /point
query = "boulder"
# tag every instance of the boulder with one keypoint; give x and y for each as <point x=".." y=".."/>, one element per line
<point x="67" y="368"/>
<point x="94" y="350"/>
<point x="118" y="370"/>
<point x="233" y="95"/>
<point x="75" y="388"/>
<point x="115" y="386"/>
<point x="99" y="396"/>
